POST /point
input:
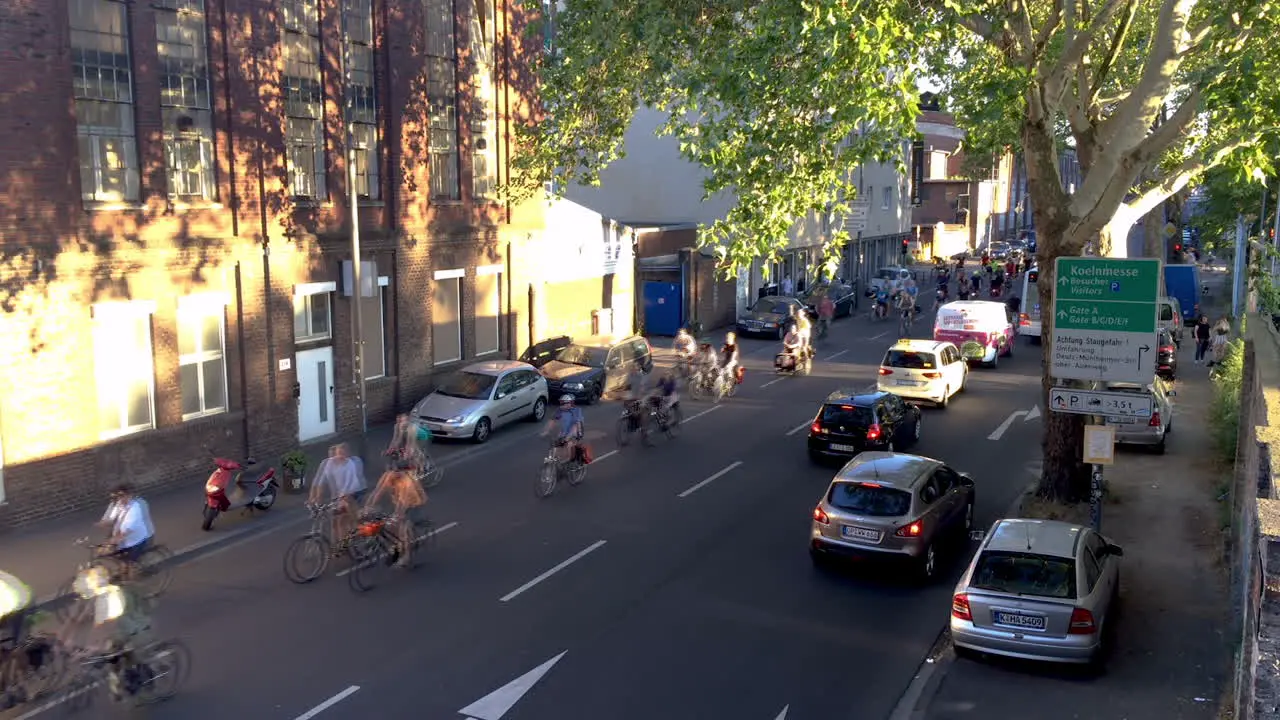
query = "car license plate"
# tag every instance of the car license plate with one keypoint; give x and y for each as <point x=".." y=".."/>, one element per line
<point x="842" y="448"/>
<point x="911" y="383"/>
<point x="857" y="533"/>
<point x="1013" y="619"/>
<point x="1118" y="420"/>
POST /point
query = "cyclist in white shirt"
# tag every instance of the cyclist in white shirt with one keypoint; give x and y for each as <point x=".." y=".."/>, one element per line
<point x="130" y="519"/>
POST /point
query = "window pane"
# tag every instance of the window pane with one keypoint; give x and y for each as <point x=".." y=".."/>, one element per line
<point x="139" y="390"/>
<point x="487" y="306"/>
<point x="300" y="329"/>
<point x="320" y="314"/>
<point x="372" y="328"/>
<point x="214" y="373"/>
<point x="446" y="343"/>
<point x="211" y="341"/>
<point x="189" y="386"/>
<point x="188" y="334"/>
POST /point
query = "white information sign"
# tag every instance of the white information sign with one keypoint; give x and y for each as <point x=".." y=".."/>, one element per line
<point x="1090" y="402"/>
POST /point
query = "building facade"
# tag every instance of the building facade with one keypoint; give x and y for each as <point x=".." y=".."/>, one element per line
<point x="175" y="226"/>
<point x="957" y="213"/>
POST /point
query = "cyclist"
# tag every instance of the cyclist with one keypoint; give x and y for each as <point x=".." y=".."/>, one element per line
<point x="803" y="328"/>
<point x="826" y="313"/>
<point x="405" y="448"/>
<point x="686" y="348"/>
<point x="708" y="364"/>
<point x="637" y="385"/>
<point x="130" y="627"/>
<point x="791" y="349"/>
<point x="341" y="478"/>
<point x="666" y="394"/>
<point x="729" y="358"/>
<point x="906" y="305"/>
<point x="882" y="301"/>
<point x="15" y="596"/>
<point x="407" y="498"/>
<point x="129" y="517"/>
<point x="569" y="423"/>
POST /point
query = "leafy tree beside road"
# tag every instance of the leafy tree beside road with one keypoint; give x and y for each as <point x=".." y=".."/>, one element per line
<point x="780" y="99"/>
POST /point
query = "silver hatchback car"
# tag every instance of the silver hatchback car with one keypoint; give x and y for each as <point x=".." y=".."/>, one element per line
<point x="893" y="506"/>
<point x="483" y="396"/>
<point x="1037" y="590"/>
<point x="1151" y="431"/>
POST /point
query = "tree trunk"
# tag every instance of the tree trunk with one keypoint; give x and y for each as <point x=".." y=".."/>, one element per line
<point x="1064" y="475"/>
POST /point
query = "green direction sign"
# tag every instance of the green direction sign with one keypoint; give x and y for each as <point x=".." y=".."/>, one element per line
<point x="1104" y="315"/>
<point x="1090" y="278"/>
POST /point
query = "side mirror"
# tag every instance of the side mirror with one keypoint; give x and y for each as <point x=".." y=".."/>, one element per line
<point x="1115" y="550"/>
<point x="501" y="394"/>
<point x="966" y="479"/>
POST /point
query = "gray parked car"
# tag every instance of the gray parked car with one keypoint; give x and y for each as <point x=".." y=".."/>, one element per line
<point x="893" y="506"/>
<point x="1037" y="590"/>
<point x="1150" y="431"/>
<point x="483" y="396"/>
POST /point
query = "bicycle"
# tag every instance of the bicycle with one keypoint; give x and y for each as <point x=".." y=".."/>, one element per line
<point x="314" y="545"/>
<point x="147" y="675"/>
<point x="151" y="570"/>
<point x="634" y="419"/>
<point x="428" y="475"/>
<point x="376" y="544"/>
<point x="908" y="320"/>
<point x="707" y="382"/>
<point x="553" y="468"/>
<point x="29" y="670"/>
<point x="666" y="420"/>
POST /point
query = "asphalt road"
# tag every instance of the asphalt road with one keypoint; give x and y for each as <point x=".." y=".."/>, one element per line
<point x="639" y="596"/>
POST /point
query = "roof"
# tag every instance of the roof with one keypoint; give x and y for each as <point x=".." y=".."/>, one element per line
<point x="1043" y="537"/>
<point x="860" y="398"/>
<point x="918" y="345"/>
<point x="886" y="468"/>
<point x="495" y="367"/>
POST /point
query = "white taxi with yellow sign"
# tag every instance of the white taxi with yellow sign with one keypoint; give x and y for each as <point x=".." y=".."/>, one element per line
<point x="923" y="370"/>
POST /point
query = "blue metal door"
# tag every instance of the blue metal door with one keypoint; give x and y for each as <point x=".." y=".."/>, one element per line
<point x="662" y="312"/>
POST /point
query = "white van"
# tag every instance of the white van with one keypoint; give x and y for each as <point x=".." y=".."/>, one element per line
<point x="1029" y="318"/>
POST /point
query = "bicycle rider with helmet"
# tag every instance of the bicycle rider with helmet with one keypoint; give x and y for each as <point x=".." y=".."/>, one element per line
<point x="569" y="424"/>
<point x="686" y="348"/>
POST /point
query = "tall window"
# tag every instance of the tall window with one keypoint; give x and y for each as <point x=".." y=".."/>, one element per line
<point x="202" y="367"/>
<point x="483" y="131"/>
<point x="372" y="327"/>
<point x="446" y="316"/>
<point x="442" y="94"/>
<point x="185" y="105"/>
<point x="104" y="100"/>
<point x="362" y="94"/>
<point x="488" y="308"/>
<point x="123" y="367"/>
<point x="303" y="99"/>
<point x="311" y="317"/>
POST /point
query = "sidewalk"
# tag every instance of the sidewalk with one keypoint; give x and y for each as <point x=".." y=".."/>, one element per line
<point x="45" y="557"/>
<point x="1170" y="656"/>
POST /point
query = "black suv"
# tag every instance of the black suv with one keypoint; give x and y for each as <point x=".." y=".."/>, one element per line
<point x="849" y="423"/>
<point x="590" y="367"/>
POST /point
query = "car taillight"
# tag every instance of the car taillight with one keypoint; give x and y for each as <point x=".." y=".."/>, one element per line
<point x="885" y="371"/>
<point x="912" y="530"/>
<point x="960" y="607"/>
<point x="1081" y="622"/>
<point x="1155" y="419"/>
<point x="873" y="432"/>
<point x="932" y="375"/>
<point x="1166" y="348"/>
<point x="820" y="516"/>
<point x="816" y="426"/>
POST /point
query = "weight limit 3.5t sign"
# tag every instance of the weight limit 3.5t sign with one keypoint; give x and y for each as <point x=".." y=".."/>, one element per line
<point x="1104" y="319"/>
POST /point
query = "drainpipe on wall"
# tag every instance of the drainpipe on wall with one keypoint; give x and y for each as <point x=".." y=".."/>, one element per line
<point x="533" y="314"/>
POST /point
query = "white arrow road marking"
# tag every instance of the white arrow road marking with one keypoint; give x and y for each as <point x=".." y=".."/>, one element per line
<point x="1032" y="414"/>
<point x="575" y="558"/>
<point x="783" y="715"/>
<point x="329" y="703"/>
<point x="496" y="704"/>
<point x="999" y="432"/>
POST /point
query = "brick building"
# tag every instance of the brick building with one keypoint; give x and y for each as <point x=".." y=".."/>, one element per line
<point x="956" y="212"/>
<point x="174" y="226"/>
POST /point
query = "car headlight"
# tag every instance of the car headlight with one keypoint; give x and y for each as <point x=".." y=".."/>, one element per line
<point x="572" y="386"/>
<point x="456" y="419"/>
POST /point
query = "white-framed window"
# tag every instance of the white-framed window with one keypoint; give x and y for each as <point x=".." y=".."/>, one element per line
<point x="124" y="367"/>
<point x="103" y="89"/>
<point x="373" y="324"/>
<point x="362" y="94"/>
<point x="313" y="311"/>
<point x="185" y="104"/>
<point x="886" y="201"/>
<point x="488" y="309"/>
<point x="484" y="133"/>
<point x="442" y="96"/>
<point x="446" y="316"/>
<point x="202" y="366"/>
<point x="303" y="99"/>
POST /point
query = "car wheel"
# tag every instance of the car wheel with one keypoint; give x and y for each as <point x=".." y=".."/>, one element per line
<point x="483" y="429"/>
<point x="946" y="398"/>
<point x="964" y="379"/>
<point x="593" y="396"/>
<point x="1160" y="448"/>
<point x="539" y="410"/>
<point x="778" y="334"/>
<point x="928" y="563"/>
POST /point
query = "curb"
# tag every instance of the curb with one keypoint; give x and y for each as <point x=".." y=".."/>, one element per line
<point x="914" y="702"/>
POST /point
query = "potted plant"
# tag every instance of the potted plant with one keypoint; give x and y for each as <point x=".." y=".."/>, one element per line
<point x="294" y="464"/>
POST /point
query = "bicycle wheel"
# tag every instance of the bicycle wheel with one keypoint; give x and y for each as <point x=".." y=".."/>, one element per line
<point x="546" y="483"/>
<point x="368" y="558"/>
<point x="155" y="571"/>
<point x="307" y="558"/>
<point x="431" y="475"/>
<point x="575" y="472"/>
<point x="160" y="669"/>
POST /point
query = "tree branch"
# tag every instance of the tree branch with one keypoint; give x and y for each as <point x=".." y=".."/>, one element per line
<point x="1020" y="22"/>
<point x="1131" y="119"/>
<point x="1170" y="130"/>
<point x="1051" y="25"/>
<point x="1113" y="52"/>
<point x="1180" y="177"/>
<point x="1078" y="42"/>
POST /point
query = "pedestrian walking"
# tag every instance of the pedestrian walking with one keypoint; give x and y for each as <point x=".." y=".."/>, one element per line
<point x="1221" y="336"/>
<point x="1203" y="337"/>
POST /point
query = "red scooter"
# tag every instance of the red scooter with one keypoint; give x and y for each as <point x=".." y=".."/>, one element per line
<point x="227" y="487"/>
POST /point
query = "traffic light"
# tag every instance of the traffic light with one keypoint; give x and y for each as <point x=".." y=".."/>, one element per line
<point x="1177" y="247"/>
<point x="905" y="244"/>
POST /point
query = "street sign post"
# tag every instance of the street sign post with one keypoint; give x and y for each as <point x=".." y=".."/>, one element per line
<point x="1099" y="451"/>
<point x="1089" y="402"/>
<point x="1104" y="319"/>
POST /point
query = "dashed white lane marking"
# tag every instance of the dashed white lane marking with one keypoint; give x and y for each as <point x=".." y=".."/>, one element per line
<point x="775" y="380"/>
<point x="575" y="558"/>
<point x="835" y="355"/>
<point x="329" y="703"/>
<point x="711" y="479"/>
<point x="799" y="427"/>
<point x="432" y="533"/>
<point x="704" y="412"/>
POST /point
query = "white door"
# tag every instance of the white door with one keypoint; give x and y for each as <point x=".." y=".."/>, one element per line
<point x="315" y="388"/>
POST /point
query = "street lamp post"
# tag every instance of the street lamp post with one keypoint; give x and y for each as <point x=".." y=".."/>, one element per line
<point x="353" y="205"/>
